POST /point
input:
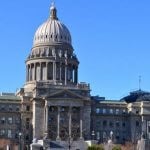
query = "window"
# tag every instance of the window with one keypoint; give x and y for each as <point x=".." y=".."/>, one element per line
<point x="50" y="119"/>
<point x="111" y="111"/>
<point x="137" y="111"/>
<point x="98" y="123"/>
<point x="97" y="110"/>
<point x="27" y="108"/>
<point x="117" y="124"/>
<point x="10" y="107"/>
<point x="27" y="123"/>
<point x="124" y="111"/>
<point x="27" y="137"/>
<point x="17" y="120"/>
<point x="104" y="123"/>
<point x="51" y="109"/>
<point x="104" y="111"/>
<point x="63" y="109"/>
<point x="117" y="135"/>
<point x="9" y="134"/>
<point x="111" y="124"/>
<point x="97" y="135"/>
<point x="3" y="107"/>
<point x="10" y="120"/>
<point x="104" y="135"/>
<point x="17" y="108"/>
<point x="2" y="120"/>
<point x="62" y="119"/>
<point x="123" y="124"/>
<point x="137" y="124"/>
<point x="117" y="111"/>
<point x="2" y="132"/>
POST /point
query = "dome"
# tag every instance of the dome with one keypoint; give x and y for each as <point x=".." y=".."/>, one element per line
<point x="137" y="96"/>
<point x="52" y="31"/>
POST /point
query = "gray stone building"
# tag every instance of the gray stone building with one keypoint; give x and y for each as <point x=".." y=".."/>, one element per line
<point x="54" y="107"/>
<point x="126" y="119"/>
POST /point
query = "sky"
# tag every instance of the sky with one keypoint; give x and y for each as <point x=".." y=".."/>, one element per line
<point x="111" y="39"/>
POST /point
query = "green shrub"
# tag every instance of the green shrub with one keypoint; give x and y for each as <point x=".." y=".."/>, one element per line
<point x="116" y="147"/>
<point x="95" y="147"/>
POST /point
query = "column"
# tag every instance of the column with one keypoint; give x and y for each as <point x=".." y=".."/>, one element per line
<point x="54" y="71"/>
<point x="40" y="71"/>
<point x="46" y="70"/>
<point x="60" y="71"/>
<point x="33" y="76"/>
<point x="46" y="120"/>
<point x="34" y="71"/>
<point x="70" y="123"/>
<point x="27" y="73"/>
<point x="81" y="123"/>
<point x="76" y="75"/>
<point x="65" y="74"/>
<point x="58" y="124"/>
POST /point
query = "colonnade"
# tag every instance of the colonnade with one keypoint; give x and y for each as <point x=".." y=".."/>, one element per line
<point x="54" y="71"/>
<point x="69" y="121"/>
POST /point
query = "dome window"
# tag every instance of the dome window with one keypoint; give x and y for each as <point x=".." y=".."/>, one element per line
<point x="51" y="36"/>
<point x="56" y="36"/>
<point x="46" y="36"/>
<point x="61" y="37"/>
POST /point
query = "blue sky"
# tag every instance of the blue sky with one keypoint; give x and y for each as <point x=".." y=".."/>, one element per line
<point x="110" y="37"/>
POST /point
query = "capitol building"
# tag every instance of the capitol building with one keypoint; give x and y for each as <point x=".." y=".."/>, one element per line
<point x="54" y="110"/>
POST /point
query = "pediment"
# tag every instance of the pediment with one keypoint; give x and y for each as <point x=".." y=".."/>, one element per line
<point x="65" y="94"/>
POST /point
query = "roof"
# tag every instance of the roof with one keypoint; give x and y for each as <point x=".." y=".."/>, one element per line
<point x="9" y="97"/>
<point x="52" y="31"/>
<point x="113" y="102"/>
<point x="137" y="96"/>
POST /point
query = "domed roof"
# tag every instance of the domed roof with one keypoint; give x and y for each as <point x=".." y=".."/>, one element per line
<point x="52" y="31"/>
<point x="137" y="96"/>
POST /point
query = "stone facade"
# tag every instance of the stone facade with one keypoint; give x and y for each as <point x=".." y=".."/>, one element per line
<point x="127" y="119"/>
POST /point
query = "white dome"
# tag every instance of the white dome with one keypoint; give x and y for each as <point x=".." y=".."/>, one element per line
<point x="52" y="31"/>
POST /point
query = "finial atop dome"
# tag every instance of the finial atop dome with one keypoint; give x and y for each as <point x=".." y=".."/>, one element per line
<point x="53" y="10"/>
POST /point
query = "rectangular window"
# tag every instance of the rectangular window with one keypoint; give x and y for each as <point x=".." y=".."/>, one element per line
<point x="17" y="120"/>
<point x="111" y="111"/>
<point x="111" y="124"/>
<point x="2" y="120"/>
<point x="117" y="111"/>
<point x="9" y="134"/>
<point x="3" y="107"/>
<point x="97" y="110"/>
<point x="97" y="135"/>
<point x="10" y="120"/>
<point x="104" y="111"/>
<point x="104" y="123"/>
<point x="123" y="124"/>
<point x="137" y="124"/>
<point x="17" y="108"/>
<point x="10" y="108"/>
<point x="27" y="108"/>
<point x="27" y="123"/>
<point x="2" y="132"/>
<point x="117" y="124"/>
<point x="137" y="111"/>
